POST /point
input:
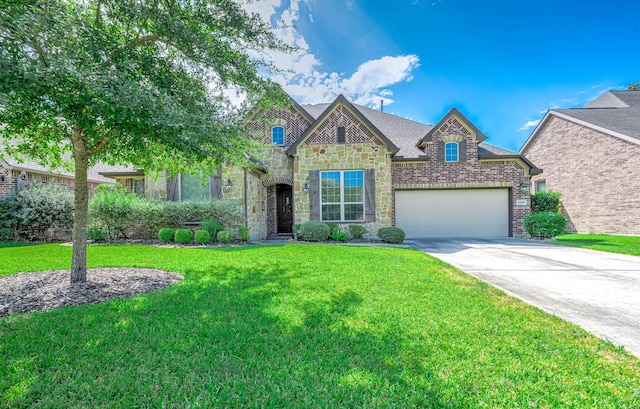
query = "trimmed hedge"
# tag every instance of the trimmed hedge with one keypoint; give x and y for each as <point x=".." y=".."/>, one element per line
<point x="357" y="231"/>
<point x="545" y="225"/>
<point x="393" y="235"/>
<point x="166" y="235"/>
<point x="202" y="237"/>
<point x="313" y="231"/>
<point x="224" y="236"/>
<point x="544" y="202"/>
<point x="183" y="236"/>
<point x="212" y="226"/>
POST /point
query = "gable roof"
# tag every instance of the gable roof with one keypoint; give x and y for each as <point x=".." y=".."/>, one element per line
<point x="616" y="113"/>
<point x="452" y="112"/>
<point x="488" y="152"/>
<point x="341" y="100"/>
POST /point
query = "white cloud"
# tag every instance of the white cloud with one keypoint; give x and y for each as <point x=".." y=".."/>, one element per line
<point x="302" y="75"/>
<point x="529" y="124"/>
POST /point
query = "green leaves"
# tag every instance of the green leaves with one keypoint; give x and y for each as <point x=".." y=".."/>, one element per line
<point x="143" y="80"/>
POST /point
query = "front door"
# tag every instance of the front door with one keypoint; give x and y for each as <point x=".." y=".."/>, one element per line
<point x="285" y="208"/>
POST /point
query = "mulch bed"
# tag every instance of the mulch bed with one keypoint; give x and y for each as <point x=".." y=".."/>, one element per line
<point x="46" y="290"/>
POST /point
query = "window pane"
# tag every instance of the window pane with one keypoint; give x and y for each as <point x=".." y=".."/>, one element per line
<point x="354" y="212"/>
<point x="193" y="188"/>
<point x="353" y="186"/>
<point x="451" y="152"/>
<point x="277" y="135"/>
<point x="330" y="187"/>
<point x="331" y="212"/>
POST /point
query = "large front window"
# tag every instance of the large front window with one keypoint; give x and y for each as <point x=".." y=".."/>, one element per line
<point x="342" y="195"/>
<point x="193" y="187"/>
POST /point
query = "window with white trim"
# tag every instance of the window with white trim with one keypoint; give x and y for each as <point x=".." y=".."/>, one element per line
<point x="451" y="152"/>
<point x="541" y="186"/>
<point x="277" y="135"/>
<point x="342" y="195"/>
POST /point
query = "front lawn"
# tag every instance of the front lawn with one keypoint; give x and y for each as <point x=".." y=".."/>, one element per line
<point x="603" y="242"/>
<point x="301" y="326"/>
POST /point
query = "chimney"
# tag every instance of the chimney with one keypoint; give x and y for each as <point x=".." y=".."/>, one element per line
<point x="382" y="105"/>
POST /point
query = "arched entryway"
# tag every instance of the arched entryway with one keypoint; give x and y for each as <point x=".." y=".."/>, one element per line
<point x="279" y="205"/>
<point x="284" y="209"/>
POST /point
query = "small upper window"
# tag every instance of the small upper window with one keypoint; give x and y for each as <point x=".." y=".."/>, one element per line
<point x="277" y="135"/>
<point x="342" y="135"/>
<point x="451" y="152"/>
<point x="541" y="186"/>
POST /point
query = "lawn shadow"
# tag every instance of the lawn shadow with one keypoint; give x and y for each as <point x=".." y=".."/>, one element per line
<point x="234" y="337"/>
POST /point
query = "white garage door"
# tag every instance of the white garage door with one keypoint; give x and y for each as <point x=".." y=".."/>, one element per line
<point x="453" y="213"/>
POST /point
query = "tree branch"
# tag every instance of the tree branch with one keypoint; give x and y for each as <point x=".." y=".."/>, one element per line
<point x="98" y="146"/>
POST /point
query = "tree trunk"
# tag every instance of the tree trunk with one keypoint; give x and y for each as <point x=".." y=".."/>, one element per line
<point x="81" y="160"/>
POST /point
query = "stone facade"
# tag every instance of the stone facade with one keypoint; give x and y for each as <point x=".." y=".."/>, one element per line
<point x="345" y="157"/>
<point x="595" y="172"/>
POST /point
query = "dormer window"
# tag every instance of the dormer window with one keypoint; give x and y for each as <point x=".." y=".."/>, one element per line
<point x="451" y="152"/>
<point x="277" y="135"/>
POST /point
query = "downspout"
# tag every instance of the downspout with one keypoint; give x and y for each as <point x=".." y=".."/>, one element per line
<point x="293" y="191"/>
<point x="246" y="210"/>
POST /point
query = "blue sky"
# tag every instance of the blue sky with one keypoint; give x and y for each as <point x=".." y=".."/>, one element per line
<point x="502" y="63"/>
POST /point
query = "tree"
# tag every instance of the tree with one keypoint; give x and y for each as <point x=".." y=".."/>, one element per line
<point x="129" y="82"/>
<point x="633" y="86"/>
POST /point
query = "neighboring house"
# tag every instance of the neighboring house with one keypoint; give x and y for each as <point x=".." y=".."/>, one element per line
<point x="16" y="175"/>
<point x="349" y="164"/>
<point x="591" y="156"/>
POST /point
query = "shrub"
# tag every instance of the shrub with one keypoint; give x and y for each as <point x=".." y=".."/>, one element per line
<point x="243" y="233"/>
<point x="212" y="227"/>
<point x="183" y="236"/>
<point x="224" y="212"/>
<point x="313" y="231"/>
<point x="545" y="225"/>
<point x="166" y="235"/>
<point x="391" y="235"/>
<point x="5" y="234"/>
<point x="146" y="215"/>
<point x="95" y="233"/>
<point x="544" y="202"/>
<point x="224" y="236"/>
<point x="41" y="207"/>
<point x="357" y="231"/>
<point x="332" y="226"/>
<point x="295" y="229"/>
<point x="202" y="237"/>
<point x="338" y="235"/>
<point x="112" y="207"/>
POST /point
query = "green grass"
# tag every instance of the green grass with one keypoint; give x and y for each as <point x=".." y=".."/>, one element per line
<point x="302" y="326"/>
<point x="603" y="242"/>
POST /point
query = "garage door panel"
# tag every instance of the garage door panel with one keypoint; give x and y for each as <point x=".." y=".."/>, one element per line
<point x="453" y="213"/>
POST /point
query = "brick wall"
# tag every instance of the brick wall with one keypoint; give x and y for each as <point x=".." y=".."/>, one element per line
<point x="595" y="172"/>
<point x="471" y="174"/>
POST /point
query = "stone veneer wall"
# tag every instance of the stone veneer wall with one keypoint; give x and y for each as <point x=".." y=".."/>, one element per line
<point x="256" y="207"/>
<point x="345" y="157"/>
<point x="595" y="173"/>
<point x="470" y="174"/>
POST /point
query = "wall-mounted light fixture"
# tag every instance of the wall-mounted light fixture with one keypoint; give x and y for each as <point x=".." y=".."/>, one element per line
<point x="1" y="178"/>
<point x="524" y="187"/>
<point x="305" y="188"/>
<point x="228" y="185"/>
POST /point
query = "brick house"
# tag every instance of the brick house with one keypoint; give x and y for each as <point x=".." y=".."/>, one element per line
<point x="16" y="175"/>
<point x="348" y="164"/>
<point x="591" y="155"/>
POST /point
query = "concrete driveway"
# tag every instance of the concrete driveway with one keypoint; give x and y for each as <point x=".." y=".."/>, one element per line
<point x="598" y="291"/>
